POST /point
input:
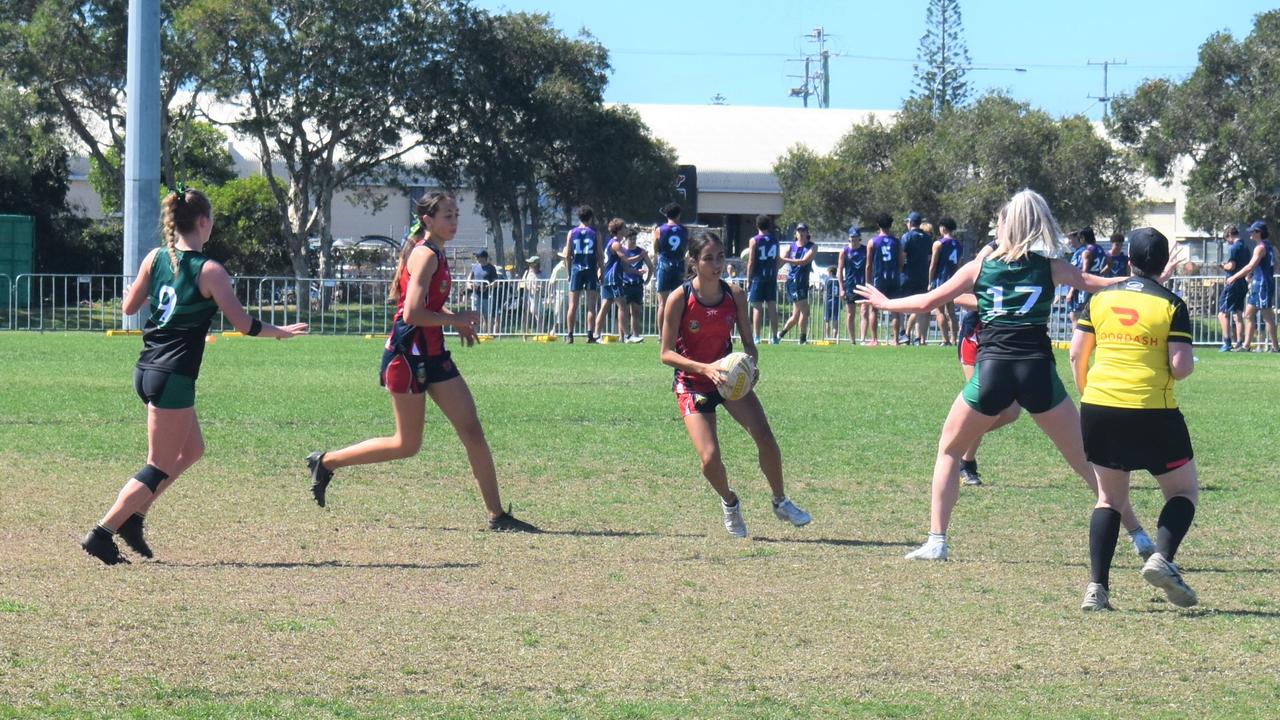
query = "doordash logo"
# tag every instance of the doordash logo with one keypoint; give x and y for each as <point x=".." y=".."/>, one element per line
<point x="1127" y="316"/>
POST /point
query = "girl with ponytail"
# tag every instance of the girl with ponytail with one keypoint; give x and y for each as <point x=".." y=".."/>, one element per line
<point x="185" y="288"/>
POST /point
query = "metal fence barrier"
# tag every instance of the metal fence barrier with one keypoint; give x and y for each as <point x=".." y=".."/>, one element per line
<point x="509" y="307"/>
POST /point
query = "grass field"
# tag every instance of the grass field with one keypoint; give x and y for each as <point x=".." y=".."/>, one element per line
<point x="392" y="602"/>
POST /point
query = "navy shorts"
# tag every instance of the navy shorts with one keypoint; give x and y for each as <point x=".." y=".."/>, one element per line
<point x="669" y="275"/>
<point x="610" y="292"/>
<point x="1231" y="300"/>
<point x="762" y="289"/>
<point x="914" y="286"/>
<point x="888" y="286"/>
<point x="584" y="279"/>
<point x="797" y="291"/>
<point x="633" y="294"/>
<point x="1262" y="294"/>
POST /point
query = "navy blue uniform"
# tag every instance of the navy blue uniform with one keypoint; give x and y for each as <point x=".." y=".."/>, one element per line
<point x="583" y="273"/>
<point x="798" y="275"/>
<point x="917" y="247"/>
<point x="948" y="260"/>
<point x="884" y="252"/>
<point x="1117" y="265"/>
<point x="762" y="286"/>
<point x="672" y="243"/>
<point x="1262" y="289"/>
<point x="611" y="287"/>
<point x="855" y="270"/>
<point x="633" y="285"/>
<point x="1233" y="295"/>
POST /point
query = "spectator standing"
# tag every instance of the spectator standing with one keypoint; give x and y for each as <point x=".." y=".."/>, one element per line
<point x="884" y="270"/>
<point x="1231" y="301"/>
<point x="480" y="285"/>
<point x="851" y="268"/>
<point x="1261" y="269"/>
<point x="917" y="248"/>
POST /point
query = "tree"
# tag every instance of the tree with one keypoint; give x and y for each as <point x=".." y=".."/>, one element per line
<point x="199" y="155"/>
<point x="324" y="86"/>
<point x="966" y="166"/>
<point x="1216" y="130"/>
<point x="943" y="56"/>
<point x="73" y="53"/>
<point x="33" y="174"/>
<point x="247" y="221"/>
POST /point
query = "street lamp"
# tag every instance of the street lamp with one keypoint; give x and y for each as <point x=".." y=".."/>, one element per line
<point x="942" y="76"/>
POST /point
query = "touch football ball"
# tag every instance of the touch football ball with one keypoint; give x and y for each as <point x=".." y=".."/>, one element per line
<point x="739" y="373"/>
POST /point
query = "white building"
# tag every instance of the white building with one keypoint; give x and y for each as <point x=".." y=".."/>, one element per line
<point x="733" y="147"/>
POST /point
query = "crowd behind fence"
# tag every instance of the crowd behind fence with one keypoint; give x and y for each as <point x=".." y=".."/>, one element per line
<point x="511" y="308"/>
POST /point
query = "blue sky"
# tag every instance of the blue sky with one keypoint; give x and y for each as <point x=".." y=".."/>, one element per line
<point x="664" y="51"/>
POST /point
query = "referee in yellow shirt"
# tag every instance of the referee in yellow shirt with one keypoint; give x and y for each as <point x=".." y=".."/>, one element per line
<point x="1129" y="418"/>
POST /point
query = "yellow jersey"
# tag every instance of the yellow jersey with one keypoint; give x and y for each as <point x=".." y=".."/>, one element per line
<point x="1133" y="323"/>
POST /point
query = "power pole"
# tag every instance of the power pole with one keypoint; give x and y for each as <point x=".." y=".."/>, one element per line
<point x="815" y="83"/>
<point x="141" y="140"/>
<point x="1105" y="98"/>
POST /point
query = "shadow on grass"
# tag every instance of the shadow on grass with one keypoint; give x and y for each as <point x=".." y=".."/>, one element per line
<point x="1233" y="571"/>
<point x="572" y="533"/>
<point x="318" y="564"/>
<point x="839" y="542"/>
<point x="1213" y="612"/>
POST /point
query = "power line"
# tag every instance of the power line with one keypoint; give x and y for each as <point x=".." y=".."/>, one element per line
<point x="879" y="58"/>
<point x="1105" y="98"/>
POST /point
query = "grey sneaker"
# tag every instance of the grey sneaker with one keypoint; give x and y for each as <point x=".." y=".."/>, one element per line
<point x="1163" y="574"/>
<point x="931" y="550"/>
<point x="1096" y="598"/>
<point x="1142" y="545"/>
<point x="787" y="511"/>
<point x="733" y="519"/>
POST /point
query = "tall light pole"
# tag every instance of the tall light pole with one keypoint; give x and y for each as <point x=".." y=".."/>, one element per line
<point x="941" y="76"/>
<point x="141" y="139"/>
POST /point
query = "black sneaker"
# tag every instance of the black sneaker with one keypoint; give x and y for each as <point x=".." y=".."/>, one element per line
<point x="971" y="476"/>
<point x="506" y="522"/>
<point x="99" y="544"/>
<point x="593" y="340"/>
<point x="131" y="533"/>
<point x="320" y="476"/>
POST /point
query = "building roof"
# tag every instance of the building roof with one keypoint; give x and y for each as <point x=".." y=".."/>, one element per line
<point x="734" y="147"/>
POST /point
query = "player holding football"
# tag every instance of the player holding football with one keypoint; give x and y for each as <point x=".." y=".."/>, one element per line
<point x="697" y="332"/>
<point x="416" y="364"/>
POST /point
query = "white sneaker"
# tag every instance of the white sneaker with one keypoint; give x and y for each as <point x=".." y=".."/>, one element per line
<point x="1165" y="575"/>
<point x="733" y="519"/>
<point x="1096" y="598"/>
<point x="1142" y="545"/>
<point x="788" y="512"/>
<point x="931" y="550"/>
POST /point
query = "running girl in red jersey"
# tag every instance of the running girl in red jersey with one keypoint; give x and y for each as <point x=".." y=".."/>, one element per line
<point x="415" y="364"/>
<point x="185" y="289"/>
<point x="697" y="331"/>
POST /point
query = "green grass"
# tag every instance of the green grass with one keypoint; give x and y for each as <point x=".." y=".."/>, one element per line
<point x="635" y="604"/>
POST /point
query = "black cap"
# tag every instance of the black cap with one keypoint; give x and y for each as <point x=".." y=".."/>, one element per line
<point x="803" y="227"/>
<point x="1148" y="250"/>
<point x="482" y="253"/>
<point x="1259" y="227"/>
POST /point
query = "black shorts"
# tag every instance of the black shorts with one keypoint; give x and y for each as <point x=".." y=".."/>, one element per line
<point x="633" y="294"/>
<point x="996" y="384"/>
<point x="404" y="373"/>
<point x="1128" y="439"/>
<point x="164" y="389"/>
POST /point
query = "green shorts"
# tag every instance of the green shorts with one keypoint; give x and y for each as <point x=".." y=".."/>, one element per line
<point x="1033" y="384"/>
<point x="163" y="389"/>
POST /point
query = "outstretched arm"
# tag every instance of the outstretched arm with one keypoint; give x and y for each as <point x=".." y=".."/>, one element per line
<point x="959" y="283"/>
<point x="215" y="283"/>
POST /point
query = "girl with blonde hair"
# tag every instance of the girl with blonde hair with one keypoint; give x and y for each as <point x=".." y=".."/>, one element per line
<point x="1014" y="280"/>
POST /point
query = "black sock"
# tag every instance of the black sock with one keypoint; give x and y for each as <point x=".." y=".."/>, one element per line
<point x="1104" y="531"/>
<point x="803" y="338"/>
<point x="103" y="531"/>
<point x="1175" y="521"/>
<point x="970" y="465"/>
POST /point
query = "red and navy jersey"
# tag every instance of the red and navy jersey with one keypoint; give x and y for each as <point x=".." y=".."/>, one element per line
<point x="428" y="341"/>
<point x="706" y="335"/>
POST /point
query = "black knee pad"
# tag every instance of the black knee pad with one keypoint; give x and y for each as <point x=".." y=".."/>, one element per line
<point x="151" y="476"/>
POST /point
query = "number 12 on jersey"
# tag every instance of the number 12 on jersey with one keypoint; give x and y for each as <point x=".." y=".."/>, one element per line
<point x="997" y="298"/>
